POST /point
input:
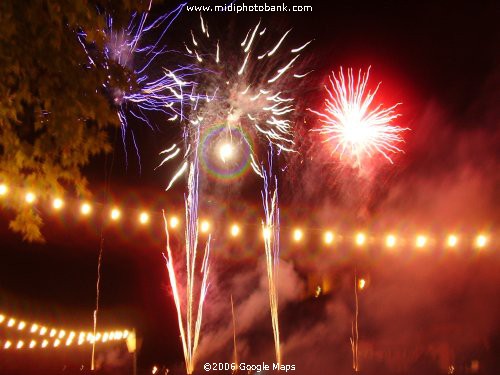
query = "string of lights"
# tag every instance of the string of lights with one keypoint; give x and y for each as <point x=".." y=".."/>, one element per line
<point x="297" y="235"/>
<point x="37" y="335"/>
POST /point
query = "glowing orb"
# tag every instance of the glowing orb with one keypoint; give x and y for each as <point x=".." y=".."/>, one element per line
<point x="174" y="222"/>
<point x="115" y="214"/>
<point x="360" y="239"/>
<point x="29" y="197"/>
<point x="235" y="230"/>
<point x="144" y="218"/>
<point x="85" y="208"/>
<point x="298" y="235"/>
<point x="452" y="240"/>
<point x="3" y="189"/>
<point x="328" y="238"/>
<point x="361" y="284"/>
<point x="390" y="240"/>
<point x="421" y="241"/>
<point x="481" y="241"/>
<point x="205" y="226"/>
<point x="57" y="203"/>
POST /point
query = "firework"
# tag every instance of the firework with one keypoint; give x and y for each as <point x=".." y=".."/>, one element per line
<point x="358" y="128"/>
<point x="354" y="325"/>
<point x="142" y="92"/>
<point x="235" y="354"/>
<point x="271" y="231"/>
<point x="248" y="89"/>
<point x="190" y="325"/>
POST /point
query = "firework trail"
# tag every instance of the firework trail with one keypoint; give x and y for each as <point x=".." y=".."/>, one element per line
<point x="190" y="325"/>
<point x="271" y="232"/>
<point x="247" y="89"/>
<point x="354" y="328"/>
<point x="356" y="127"/>
<point x="142" y="92"/>
<point x="234" y="337"/>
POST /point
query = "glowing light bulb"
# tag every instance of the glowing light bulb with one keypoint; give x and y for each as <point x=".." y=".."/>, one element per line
<point x="235" y="230"/>
<point x="20" y="344"/>
<point x="11" y="322"/>
<point x="45" y="343"/>
<point x="3" y="189"/>
<point x="85" y="209"/>
<point x="7" y="344"/>
<point x="328" y="237"/>
<point x="57" y="203"/>
<point x="34" y="328"/>
<point x="32" y="344"/>
<point x="144" y="218"/>
<point x="62" y="333"/>
<point x="361" y="284"/>
<point x="205" y="226"/>
<point x="360" y="239"/>
<point x="2" y="318"/>
<point x="452" y="240"/>
<point x="298" y="235"/>
<point x="53" y="332"/>
<point x="21" y="325"/>
<point x="174" y="222"/>
<point x="30" y="197"/>
<point x="56" y="343"/>
<point x="115" y="214"/>
<point x="390" y="240"/>
<point x="481" y="241"/>
<point x="125" y="334"/>
<point x="43" y="331"/>
<point x="421" y="241"/>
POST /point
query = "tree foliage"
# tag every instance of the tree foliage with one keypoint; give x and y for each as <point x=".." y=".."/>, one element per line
<point x="53" y="115"/>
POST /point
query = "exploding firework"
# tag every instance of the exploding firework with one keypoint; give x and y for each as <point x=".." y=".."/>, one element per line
<point x="271" y="231"/>
<point x="248" y="90"/>
<point x="143" y="91"/>
<point x="358" y="128"/>
<point x="190" y="324"/>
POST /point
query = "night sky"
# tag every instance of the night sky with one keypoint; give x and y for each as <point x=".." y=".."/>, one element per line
<point x="441" y="61"/>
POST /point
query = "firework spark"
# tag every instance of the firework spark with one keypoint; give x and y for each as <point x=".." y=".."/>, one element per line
<point x="271" y="231"/>
<point x="356" y="127"/>
<point x="248" y="88"/>
<point x="142" y="92"/>
<point x="190" y="325"/>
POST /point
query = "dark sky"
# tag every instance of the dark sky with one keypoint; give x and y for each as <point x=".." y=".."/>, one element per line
<point x="439" y="58"/>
